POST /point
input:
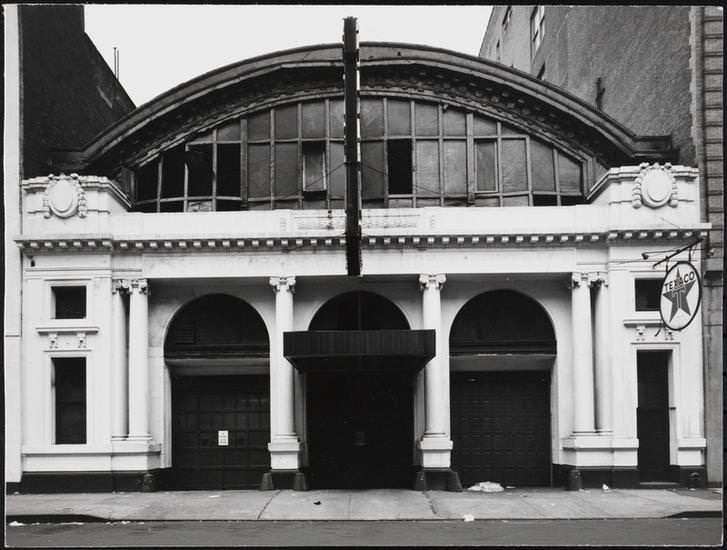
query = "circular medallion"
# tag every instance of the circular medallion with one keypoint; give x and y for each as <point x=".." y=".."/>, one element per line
<point x="63" y="198"/>
<point x="681" y="293"/>
<point x="656" y="186"/>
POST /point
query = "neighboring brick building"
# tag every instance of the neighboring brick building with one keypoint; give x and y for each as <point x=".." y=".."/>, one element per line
<point x="657" y="70"/>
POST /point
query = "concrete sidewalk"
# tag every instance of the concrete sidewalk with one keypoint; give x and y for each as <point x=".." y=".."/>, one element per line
<point x="376" y="504"/>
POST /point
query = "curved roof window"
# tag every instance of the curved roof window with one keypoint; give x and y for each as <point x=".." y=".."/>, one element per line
<point x="413" y="153"/>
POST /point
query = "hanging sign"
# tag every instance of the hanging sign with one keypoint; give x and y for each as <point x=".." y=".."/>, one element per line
<point x="223" y="438"/>
<point x="681" y="292"/>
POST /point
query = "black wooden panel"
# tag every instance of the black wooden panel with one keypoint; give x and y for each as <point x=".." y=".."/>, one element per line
<point x="501" y="427"/>
<point x="201" y="406"/>
<point x="360" y="429"/>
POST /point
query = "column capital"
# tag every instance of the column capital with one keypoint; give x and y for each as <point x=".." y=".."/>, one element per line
<point x="120" y="286"/>
<point x="283" y="283"/>
<point x="579" y="279"/>
<point x="434" y="281"/>
<point x="140" y="286"/>
<point x="599" y="278"/>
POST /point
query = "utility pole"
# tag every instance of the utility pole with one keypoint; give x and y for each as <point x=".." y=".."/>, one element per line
<point x="351" y="146"/>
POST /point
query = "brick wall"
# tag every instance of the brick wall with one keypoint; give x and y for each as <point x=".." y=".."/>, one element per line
<point x="69" y="94"/>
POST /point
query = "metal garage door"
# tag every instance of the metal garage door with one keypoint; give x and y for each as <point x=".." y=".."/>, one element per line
<point x="203" y="409"/>
<point x="501" y="427"/>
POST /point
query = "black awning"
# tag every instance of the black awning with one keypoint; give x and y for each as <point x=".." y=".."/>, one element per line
<point x="359" y="349"/>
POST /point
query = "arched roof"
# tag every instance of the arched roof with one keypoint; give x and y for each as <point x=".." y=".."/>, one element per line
<point x="386" y="68"/>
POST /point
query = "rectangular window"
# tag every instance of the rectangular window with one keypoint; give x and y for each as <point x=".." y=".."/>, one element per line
<point x="314" y="167"/>
<point x="258" y="170"/>
<point x="146" y="181"/>
<point x="228" y="169"/>
<point x="69" y="380"/>
<point x="648" y="294"/>
<point x="399" y="164"/>
<point x="173" y="172"/>
<point x="199" y="163"/>
<point x="372" y="170"/>
<point x="537" y="27"/>
<point x="69" y="302"/>
<point x="286" y="170"/>
<point x="427" y="168"/>
<point x="514" y="166"/>
<point x="455" y="167"/>
<point x="485" y="167"/>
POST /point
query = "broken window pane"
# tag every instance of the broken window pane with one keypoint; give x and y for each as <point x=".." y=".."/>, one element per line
<point x="314" y="162"/>
<point x="146" y="181"/>
<point x="199" y="163"/>
<point x="173" y="172"/>
<point x="258" y="170"/>
<point x="399" y="164"/>
<point x="228" y="169"/>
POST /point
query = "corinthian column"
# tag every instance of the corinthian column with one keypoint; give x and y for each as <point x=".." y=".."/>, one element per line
<point x="284" y="445"/>
<point x="138" y="360"/>
<point x="119" y="375"/>
<point x="583" y="409"/>
<point x="435" y="445"/>
<point x="603" y="357"/>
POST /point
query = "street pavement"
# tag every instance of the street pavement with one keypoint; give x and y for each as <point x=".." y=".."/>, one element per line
<point x="375" y="504"/>
<point x="627" y="533"/>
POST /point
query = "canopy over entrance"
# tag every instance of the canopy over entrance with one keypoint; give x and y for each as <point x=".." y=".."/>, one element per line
<point x="359" y="349"/>
<point x="359" y="330"/>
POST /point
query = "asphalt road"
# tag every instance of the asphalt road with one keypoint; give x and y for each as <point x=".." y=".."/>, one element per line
<point x="629" y="532"/>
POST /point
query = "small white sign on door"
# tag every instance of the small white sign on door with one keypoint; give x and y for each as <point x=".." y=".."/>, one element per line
<point x="223" y="438"/>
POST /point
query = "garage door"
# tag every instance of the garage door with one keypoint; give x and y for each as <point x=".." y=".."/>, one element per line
<point x="221" y="428"/>
<point x="501" y="427"/>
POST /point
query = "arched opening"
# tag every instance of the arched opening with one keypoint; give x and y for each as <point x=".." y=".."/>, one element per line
<point x="218" y="350"/>
<point x="502" y="346"/>
<point x="360" y="416"/>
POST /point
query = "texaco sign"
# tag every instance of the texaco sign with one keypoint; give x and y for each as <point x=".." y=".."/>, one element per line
<point x="681" y="292"/>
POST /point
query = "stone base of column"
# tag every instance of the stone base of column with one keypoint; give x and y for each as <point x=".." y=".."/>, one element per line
<point x="436" y="452"/>
<point x="283" y="479"/>
<point x="574" y="478"/>
<point x="284" y="454"/>
<point x="443" y="479"/>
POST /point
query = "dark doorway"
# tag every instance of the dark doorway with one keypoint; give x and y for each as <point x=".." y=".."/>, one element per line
<point x="652" y="415"/>
<point x="202" y="408"/>
<point x="360" y="429"/>
<point x="360" y="418"/>
<point x="501" y="427"/>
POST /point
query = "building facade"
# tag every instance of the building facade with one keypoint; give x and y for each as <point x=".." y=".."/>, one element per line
<point x="186" y="320"/>
<point x="657" y="70"/>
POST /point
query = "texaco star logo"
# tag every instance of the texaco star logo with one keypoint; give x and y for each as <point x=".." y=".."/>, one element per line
<point x="681" y="293"/>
